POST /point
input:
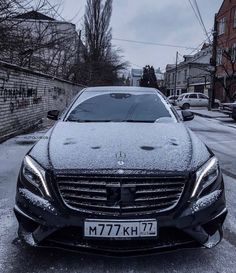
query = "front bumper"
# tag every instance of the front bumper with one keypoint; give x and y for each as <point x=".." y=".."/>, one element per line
<point x="44" y="223"/>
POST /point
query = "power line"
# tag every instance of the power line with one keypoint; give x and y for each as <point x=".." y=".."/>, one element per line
<point x="200" y="16"/>
<point x="195" y="12"/>
<point x="21" y="6"/>
<point x="153" y="43"/>
<point x="198" y="47"/>
<point x="59" y="15"/>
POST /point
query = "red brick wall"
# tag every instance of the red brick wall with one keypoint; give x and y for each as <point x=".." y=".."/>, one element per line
<point x="226" y="40"/>
<point x="219" y="92"/>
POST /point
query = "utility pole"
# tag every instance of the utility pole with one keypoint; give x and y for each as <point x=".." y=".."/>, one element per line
<point x="213" y="64"/>
<point x="176" y="71"/>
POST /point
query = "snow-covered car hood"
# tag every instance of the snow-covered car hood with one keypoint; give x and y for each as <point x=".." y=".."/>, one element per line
<point x="144" y="146"/>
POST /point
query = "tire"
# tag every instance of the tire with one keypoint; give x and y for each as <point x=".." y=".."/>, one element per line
<point x="216" y="105"/>
<point x="186" y="106"/>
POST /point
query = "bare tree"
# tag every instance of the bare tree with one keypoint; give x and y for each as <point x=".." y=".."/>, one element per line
<point x="45" y="45"/>
<point x="8" y="9"/>
<point x="101" y="61"/>
<point x="228" y="66"/>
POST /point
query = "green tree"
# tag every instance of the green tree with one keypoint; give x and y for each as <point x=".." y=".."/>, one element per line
<point x="149" y="77"/>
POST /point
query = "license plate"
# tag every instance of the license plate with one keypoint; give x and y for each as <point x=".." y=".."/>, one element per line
<point x="120" y="228"/>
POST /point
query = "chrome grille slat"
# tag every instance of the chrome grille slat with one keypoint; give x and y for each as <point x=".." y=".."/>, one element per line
<point x="156" y="198"/>
<point x="159" y="190"/>
<point x="83" y="190"/>
<point x="82" y="197"/>
<point x="86" y="183"/>
<point x="90" y="193"/>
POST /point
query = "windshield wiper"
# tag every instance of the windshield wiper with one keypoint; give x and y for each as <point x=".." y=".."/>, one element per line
<point x="128" y="120"/>
<point x="139" y="121"/>
<point x="87" y="120"/>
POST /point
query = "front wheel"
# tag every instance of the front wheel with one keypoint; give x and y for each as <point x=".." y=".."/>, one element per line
<point x="216" y="105"/>
<point x="186" y="106"/>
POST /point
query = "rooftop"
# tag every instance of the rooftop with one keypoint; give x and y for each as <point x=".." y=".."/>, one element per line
<point x="136" y="72"/>
<point x="34" y="15"/>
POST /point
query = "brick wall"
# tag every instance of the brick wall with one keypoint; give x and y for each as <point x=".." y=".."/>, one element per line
<point x="26" y="96"/>
<point x="226" y="41"/>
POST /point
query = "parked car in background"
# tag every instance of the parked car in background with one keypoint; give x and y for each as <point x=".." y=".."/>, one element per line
<point x="172" y="99"/>
<point x="229" y="109"/>
<point x="187" y="100"/>
<point x="125" y="177"/>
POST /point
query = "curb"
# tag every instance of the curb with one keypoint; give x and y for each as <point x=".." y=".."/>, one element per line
<point x="39" y="125"/>
<point x="206" y="116"/>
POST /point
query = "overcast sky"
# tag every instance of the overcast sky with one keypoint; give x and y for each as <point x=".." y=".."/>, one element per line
<point x="159" y="21"/>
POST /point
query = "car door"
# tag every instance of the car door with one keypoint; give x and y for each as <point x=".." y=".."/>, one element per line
<point x="193" y="100"/>
<point x="203" y="100"/>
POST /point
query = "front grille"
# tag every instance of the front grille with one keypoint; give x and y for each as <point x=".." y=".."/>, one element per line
<point x="121" y="195"/>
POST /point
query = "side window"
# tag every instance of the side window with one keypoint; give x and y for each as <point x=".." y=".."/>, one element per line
<point x="221" y="26"/>
<point x="193" y="96"/>
<point x="186" y="96"/>
<point x="201" y="96"/>
<point x="234" y="19"/>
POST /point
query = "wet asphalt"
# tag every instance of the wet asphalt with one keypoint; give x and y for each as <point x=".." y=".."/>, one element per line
<point x="219" y="135"/>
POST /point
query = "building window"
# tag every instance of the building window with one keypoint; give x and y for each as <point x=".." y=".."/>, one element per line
<point x="185" y="74"/>
<point x="219" y="56"/>
<point x="234" y="19"/>
<point x="233" y="53"/>
<point x="222" y="26"/>
<point x="173" y="77"/>
<point x="169" y="78"/>
<point x="179" y="75"/>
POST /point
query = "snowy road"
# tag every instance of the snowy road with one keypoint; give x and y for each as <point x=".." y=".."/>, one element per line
<point x="219" y="135"/>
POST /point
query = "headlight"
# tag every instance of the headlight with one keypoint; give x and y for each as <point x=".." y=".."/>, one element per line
<point x="205" y="176"/>
<point x="35" y="174"/>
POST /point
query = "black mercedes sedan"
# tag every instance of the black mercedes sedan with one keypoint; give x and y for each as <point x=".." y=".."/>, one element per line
<point x="120" y="174"/>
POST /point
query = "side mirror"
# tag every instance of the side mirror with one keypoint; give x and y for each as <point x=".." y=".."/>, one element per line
<point x="53" y="114"/>
<point x="187" y="115"/>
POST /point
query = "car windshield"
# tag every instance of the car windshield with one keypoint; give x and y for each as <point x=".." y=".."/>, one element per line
<point x="118" y="107"/>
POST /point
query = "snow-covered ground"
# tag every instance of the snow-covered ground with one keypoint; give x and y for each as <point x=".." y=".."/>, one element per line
<point x="217" y="134"/>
